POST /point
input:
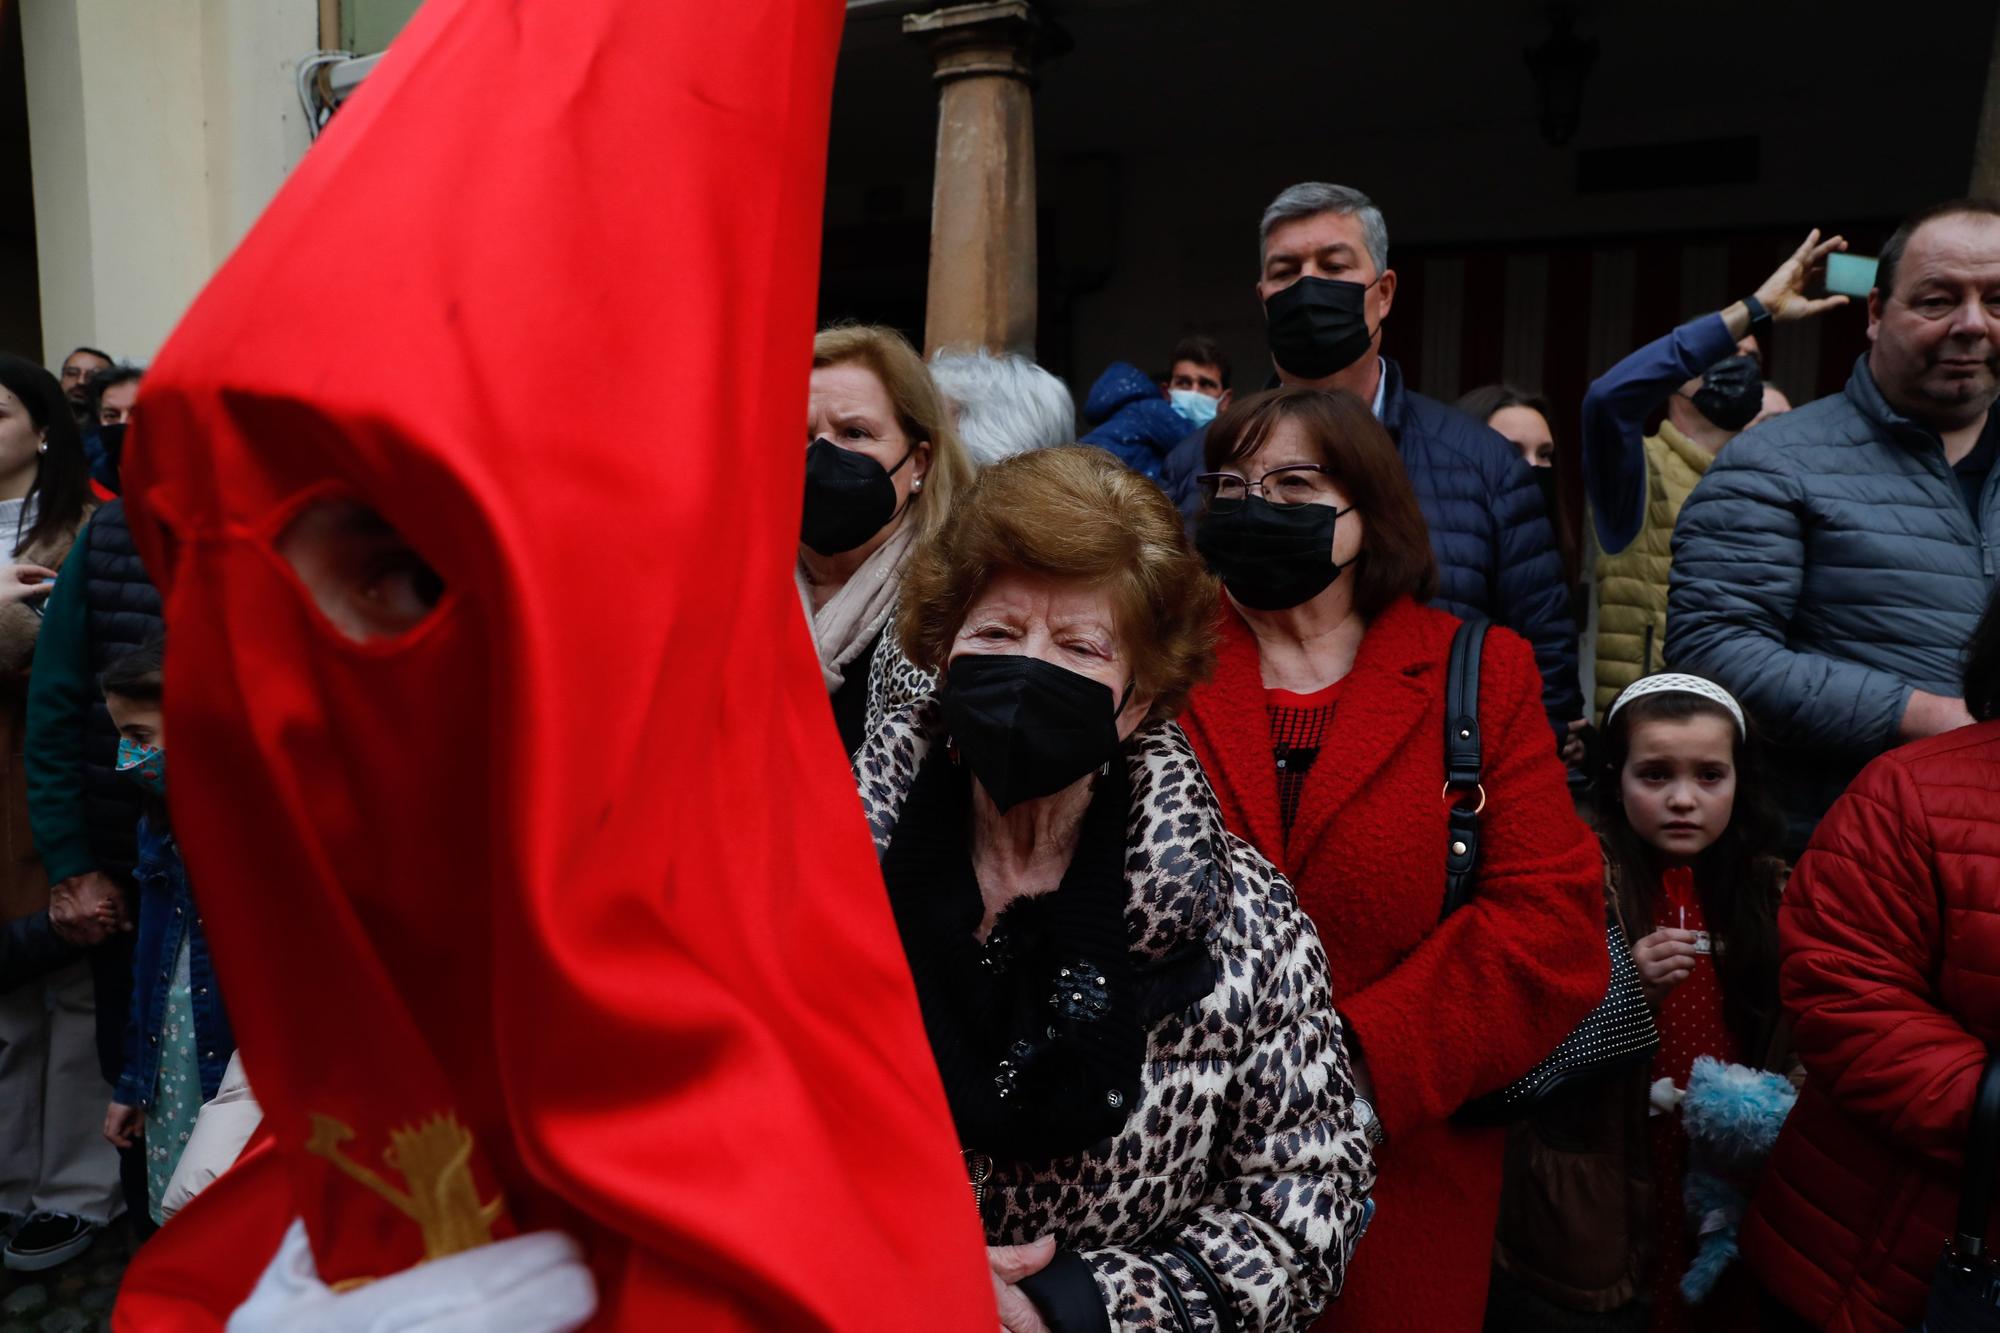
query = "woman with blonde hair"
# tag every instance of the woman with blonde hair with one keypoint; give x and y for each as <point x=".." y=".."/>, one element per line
<point x="883" y="463"/>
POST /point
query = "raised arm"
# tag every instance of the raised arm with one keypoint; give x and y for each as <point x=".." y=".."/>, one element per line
<point x="1617" y="404"/>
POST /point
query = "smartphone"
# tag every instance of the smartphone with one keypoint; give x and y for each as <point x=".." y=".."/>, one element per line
<point x="1850" y="275"/>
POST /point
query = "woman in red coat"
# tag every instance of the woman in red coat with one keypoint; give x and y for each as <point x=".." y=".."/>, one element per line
<point x="1323" y="735"/>
<point x="1889" y="968"/>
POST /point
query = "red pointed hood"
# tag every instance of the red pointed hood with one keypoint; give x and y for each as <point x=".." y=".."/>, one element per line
<point x="575" y="866"/>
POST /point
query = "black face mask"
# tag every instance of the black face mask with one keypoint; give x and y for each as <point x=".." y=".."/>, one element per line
<point x="1318" y="326"/>
<point x="1271" y="558"/>
<point x="1731" y="393"/>
<point x="1028" y="728"/>
<point x="849" y="497"/>
<point x="1545" y="479"/>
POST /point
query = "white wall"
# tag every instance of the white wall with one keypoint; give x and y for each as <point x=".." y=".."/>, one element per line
<point x="158" y="129"/>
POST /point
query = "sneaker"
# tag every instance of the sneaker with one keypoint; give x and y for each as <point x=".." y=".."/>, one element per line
<point x="48" y="1239"/>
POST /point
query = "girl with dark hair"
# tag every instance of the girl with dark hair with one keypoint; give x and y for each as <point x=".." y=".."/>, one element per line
<point x="1594" y="1232"/>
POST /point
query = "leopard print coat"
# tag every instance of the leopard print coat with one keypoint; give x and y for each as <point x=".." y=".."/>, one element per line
<point x="1244" y="1149"/>
<point x="895" y="683"/>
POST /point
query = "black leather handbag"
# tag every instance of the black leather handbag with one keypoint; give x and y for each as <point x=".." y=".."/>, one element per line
<point x="1620" y="1031"/>
<point x="1965" y="1294"/>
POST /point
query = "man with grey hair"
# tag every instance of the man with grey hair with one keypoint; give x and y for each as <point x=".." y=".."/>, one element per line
<point x="1004" y="405"/>
<point x="1326" y="286"/>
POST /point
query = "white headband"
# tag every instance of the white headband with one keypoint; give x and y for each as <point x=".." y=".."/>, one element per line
<point x="1672" y="682"/>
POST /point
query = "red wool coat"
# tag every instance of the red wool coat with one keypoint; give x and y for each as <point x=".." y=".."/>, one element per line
<point x="1889" y="968"/>
<point x="1443" y="1012"/>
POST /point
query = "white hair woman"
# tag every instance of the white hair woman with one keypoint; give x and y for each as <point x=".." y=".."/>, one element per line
<point x="1004" y="405"/>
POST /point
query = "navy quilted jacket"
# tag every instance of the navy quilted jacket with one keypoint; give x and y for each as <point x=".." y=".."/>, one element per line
<point x="1825" y="567"/>
<point x="1495" y="548"/>
<point x="1131" y="417"/>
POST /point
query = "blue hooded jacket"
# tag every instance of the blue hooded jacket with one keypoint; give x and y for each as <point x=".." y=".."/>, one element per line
<point x="1131" y="417"/>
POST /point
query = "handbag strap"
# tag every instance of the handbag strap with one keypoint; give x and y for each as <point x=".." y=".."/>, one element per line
<point x="1975" y="1199"/>
<point x="1464" y="760"/>
<point x="1218" y="1304"/>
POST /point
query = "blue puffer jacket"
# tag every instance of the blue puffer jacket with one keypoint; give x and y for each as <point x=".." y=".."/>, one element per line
<point x="1826" y="566"/>
<point x="1131" y="418"/>
<point x="1495" y="548"/>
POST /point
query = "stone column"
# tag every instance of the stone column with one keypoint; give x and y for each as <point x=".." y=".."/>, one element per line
<point x="1986" y="147"/>
<point x="982" y="274"/>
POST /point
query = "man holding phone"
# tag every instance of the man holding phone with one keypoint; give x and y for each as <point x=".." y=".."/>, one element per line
<point x="1709" y="374"/>
<point x="1831" y="566"/>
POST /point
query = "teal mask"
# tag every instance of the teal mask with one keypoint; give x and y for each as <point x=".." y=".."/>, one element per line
<point x="144" y="764"/>
<point x="1195" y="406"/>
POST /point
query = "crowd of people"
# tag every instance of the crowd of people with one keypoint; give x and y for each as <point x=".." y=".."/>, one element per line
<point x="1781" y="597"/>
<point x="1669" y="1010"/>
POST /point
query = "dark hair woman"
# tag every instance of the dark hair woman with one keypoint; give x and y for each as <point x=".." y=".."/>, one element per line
<point x="43" y="502"/>
<point x="1323" y="735"/>
<point x="1131" y="1016"/>
<point x="41" y="461"/>
<point x="1528" y="423"/>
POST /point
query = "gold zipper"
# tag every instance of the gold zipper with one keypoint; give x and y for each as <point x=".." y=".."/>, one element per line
<point x="978" y="1170"/>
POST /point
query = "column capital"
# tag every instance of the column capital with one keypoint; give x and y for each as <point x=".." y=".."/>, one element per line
<point x="1007" y="38"/>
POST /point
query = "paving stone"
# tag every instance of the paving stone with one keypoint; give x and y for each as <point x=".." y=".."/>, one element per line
<point x="25" y="1300"/>
<point x="69" y="1320"/>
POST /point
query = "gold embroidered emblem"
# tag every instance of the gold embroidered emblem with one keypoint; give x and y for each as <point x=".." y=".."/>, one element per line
<point x="434" y="1159"/>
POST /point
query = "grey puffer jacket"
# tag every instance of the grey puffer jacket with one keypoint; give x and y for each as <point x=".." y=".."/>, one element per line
<point x="1242" y="1148"/>
<point x="1825" y="567"/>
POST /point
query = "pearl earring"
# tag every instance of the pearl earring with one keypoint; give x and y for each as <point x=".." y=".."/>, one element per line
<point x="916" y="485"/>
<point x="42" y="448"/>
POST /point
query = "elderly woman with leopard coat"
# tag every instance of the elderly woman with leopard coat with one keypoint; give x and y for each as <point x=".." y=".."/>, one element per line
<point x="1130" y="1014"/>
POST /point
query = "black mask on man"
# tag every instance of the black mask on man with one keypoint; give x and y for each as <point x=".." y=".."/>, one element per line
<point x="1271" y="558"/>
<point x="1028" y="728"/>
<point x="1318" y="326"/>
<point x="1731" y="393"/>
<point x="112" y="438"/>
<point x="849" y="497"/>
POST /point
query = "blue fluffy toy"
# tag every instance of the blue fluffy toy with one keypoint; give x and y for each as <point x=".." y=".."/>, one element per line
<point x="1732" y="1115"/>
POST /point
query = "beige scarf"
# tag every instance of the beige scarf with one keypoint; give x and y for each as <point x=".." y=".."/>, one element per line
<point x="848" y="623"/>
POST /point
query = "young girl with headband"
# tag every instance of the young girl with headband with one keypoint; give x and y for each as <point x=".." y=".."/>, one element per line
<point x="1688" y="836"/>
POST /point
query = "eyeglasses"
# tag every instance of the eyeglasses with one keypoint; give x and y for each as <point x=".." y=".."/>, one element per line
<point x="1283" y="487"/>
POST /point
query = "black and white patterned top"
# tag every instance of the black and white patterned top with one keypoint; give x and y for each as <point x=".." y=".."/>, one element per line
<point x="1299" y="727"/>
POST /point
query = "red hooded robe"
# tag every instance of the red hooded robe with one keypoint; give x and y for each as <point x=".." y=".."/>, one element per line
<point x="572" y="873"/>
